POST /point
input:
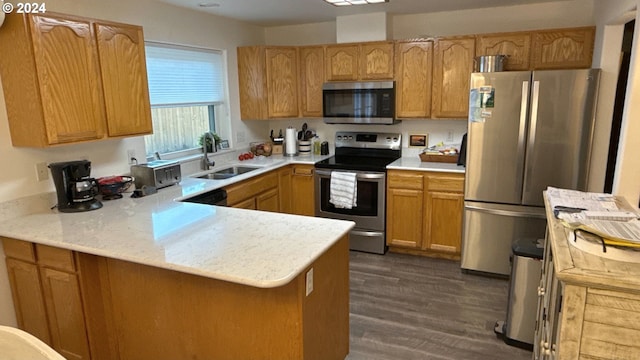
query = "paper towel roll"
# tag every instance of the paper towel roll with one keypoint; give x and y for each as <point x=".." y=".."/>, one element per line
<point x="290" y="138"/>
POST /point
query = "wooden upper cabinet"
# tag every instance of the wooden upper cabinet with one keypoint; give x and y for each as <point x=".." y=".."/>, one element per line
<point x="251" y="80"/>
<point x="282" y="81"/>
<point x="516" y="46"/>
<point x="342" y="62"/>
<point x="51" y="80"/>
<point x="121" y="52"/>
<point x="376" y="60"/>
<point x="414" y="62"/>
<point x="311" y="80"/>
<point x="453" y="64"/>
<point x="366" y="61"/>
<point x="67" y="81"/>
<point x="268" y="80"/>
<point x="563" y="48"/>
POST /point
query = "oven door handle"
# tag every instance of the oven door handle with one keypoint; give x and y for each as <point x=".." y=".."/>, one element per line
<point x="359" y="175"/>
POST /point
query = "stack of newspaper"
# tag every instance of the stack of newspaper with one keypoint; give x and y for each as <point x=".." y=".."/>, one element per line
<point x="597" y="214"/>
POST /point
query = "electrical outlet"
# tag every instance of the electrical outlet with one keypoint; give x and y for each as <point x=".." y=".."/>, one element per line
<point x="42" y="171"/>
<point x="449" y="135"/>
<point x="309" y="278"/>
<point x="131" y="157"/>
<point x="241" y="137"/>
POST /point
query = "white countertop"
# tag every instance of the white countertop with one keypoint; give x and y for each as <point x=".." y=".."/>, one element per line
<point x="414" y="163"/>
<point x="249" y="247"/>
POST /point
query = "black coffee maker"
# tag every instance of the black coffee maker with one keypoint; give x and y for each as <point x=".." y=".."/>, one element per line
<point x="75" y="188"/>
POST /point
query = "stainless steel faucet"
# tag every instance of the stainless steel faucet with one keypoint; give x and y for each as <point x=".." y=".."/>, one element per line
<point x="207" y="164"/>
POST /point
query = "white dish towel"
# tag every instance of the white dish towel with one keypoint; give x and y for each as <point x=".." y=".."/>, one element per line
<point x="343" y="189"/>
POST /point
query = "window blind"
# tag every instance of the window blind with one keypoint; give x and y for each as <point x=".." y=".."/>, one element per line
<point x="180" y="76"/>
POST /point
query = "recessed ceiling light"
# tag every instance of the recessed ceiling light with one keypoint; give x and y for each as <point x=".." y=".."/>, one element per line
<point x="207" y="4"/>
<point x="354" y="2"/>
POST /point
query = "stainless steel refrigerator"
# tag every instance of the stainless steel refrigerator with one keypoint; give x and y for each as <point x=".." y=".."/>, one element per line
<point x="527" y="130"/>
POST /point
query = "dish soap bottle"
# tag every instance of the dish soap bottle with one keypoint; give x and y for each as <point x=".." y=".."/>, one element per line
<point x="316" y="145"/>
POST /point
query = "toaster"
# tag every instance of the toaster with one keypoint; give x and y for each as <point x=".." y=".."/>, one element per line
<point x="157" y="173"/>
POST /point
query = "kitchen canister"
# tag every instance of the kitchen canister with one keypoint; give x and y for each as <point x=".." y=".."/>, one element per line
<point x="490" y="63"/>
<point x="290" y="138"/>
<point x="324" y="148"/>
<point x="304" y="147"/>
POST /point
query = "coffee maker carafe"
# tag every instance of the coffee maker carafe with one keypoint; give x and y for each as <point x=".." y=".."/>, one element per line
<point x="75" y="188"/>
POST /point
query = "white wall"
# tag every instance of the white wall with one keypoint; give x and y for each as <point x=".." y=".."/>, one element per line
<point x="306" y="34"/>
<point x="610" y="15"/>
<point x="161" y="22"/>
<point x="501" y="19"/>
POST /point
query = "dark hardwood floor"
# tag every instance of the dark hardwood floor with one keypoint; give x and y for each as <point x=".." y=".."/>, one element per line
<point x="411" y="307"/>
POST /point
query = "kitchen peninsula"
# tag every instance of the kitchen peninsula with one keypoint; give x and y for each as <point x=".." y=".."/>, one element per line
<point x="155" y="278"/>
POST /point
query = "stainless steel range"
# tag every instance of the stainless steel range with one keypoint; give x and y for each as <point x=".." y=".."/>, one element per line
<point x="366" y="155"/>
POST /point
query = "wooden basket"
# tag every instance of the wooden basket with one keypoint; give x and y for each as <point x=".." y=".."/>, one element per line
<point x="439" y="158"/>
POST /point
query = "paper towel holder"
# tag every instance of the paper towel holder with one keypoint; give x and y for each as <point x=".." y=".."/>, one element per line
<point x="290" y="142"/>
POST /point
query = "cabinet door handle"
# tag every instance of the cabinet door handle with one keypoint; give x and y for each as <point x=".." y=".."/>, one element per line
<point x="540" y="291"/>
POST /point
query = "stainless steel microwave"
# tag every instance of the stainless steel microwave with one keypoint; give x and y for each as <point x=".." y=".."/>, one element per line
<point x="359" y="102"/>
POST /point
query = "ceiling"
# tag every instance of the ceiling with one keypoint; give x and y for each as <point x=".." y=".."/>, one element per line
<point x="289" y="12"/>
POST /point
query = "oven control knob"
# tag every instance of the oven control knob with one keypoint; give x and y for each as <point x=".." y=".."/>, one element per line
<point x="388" y="139"/>
<point x="339" y="137"/>
<point x="350" y="137"/>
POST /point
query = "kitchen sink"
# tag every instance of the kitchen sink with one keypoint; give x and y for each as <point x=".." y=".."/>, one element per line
<point x="228" y="172"/>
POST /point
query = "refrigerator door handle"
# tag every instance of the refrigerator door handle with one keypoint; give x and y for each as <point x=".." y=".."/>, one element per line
<point x="522" y="131"/>
<point x="523" y="214"/>
<point x="535" y="96"/>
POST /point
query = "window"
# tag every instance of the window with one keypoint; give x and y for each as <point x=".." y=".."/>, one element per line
<point x="187" y="92"/>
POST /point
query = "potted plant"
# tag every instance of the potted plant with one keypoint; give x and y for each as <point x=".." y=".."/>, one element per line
<point x="208" y="140"/>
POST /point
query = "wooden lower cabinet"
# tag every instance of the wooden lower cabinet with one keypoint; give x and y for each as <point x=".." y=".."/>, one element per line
<point x="284" y="189"/>
<point x="257" y="193"/>
<point x="302" y="192"/>
<point x="444" y="206"/>
<point x="63" y="301"/>
<point x="287" y="190"/>
<point x="135" y="311"/>
<point x="268" y="201"/>
<point x="47" y="296"/>
<point x="405" y="197"/>
<point x="28" y="299"/>
<point x="424" y="212"/>
<point x="249" y="204"/>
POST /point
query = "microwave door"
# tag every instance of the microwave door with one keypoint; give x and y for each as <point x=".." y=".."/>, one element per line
<point x="359" y="103"/>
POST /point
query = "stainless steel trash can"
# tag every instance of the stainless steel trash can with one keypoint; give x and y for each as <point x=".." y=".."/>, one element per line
<point x="526" y="263"/>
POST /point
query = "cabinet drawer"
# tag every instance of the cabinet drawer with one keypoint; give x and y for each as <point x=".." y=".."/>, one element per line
<point x="406" y="180"/>
<point x="18" y="249"/>
<point x="303" y="170"/>
<point x="55" y="258"/>
<point x="445" y="183"/>
<point x="251" y="188"/>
